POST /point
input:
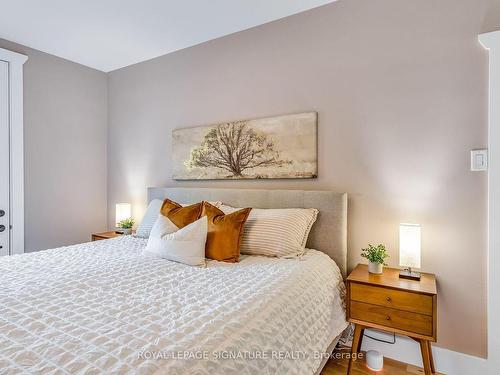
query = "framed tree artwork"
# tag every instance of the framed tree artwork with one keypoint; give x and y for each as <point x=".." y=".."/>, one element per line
<point x="274" y="147"/>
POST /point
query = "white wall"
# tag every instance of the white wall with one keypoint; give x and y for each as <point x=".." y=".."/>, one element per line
<point x="65" y="136"/>
<point x="401" y="100"/>
<point x="372" y="84"/>
<point x="450" y="362"/>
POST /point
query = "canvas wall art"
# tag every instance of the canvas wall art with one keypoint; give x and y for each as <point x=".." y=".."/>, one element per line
<point x="274" y="147"/>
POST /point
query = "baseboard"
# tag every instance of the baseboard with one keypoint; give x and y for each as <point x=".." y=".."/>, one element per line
<point x="406" y="350"/>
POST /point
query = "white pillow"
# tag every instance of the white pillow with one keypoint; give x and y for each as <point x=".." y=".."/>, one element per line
<point x="186" y="245"/>
<point x="149" y="218"/>
<point x="162" y="226"/>
<point x="280" y="232"/>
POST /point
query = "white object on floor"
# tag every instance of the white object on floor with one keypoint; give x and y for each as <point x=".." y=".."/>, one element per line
<point x="374" y="360"/>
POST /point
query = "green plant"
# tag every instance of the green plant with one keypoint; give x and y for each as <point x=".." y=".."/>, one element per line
<point x="126" y="223"/>
<point x="375" y="254"/>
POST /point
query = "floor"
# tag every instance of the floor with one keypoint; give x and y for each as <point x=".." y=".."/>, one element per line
<point x="391" y="367"/>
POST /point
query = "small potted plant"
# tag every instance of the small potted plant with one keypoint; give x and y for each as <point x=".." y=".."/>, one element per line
<point x="126" y="225"/>
<point x="376" y="256"/>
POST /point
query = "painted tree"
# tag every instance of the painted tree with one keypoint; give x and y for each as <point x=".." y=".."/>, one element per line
<point x="235" y="147"/>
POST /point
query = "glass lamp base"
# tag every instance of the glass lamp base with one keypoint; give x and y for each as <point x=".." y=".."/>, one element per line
<point x="409" y="274"/>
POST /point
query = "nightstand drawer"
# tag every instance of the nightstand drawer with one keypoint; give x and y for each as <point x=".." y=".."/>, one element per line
<point x="397" y="299"/>
<point x="399" y="319"/>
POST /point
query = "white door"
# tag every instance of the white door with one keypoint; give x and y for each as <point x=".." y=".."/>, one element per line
<point x="4" y="160"/>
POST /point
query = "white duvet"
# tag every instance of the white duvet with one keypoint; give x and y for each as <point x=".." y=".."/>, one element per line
<point x="105" y="308"/>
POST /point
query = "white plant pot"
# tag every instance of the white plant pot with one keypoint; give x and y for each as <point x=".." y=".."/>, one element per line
<point x="127" y="230"/>
<point x="375" y="268"/>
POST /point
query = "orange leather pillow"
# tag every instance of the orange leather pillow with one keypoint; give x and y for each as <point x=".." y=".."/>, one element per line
<point x="224" y="233"/>
<point x="181" y="216"/>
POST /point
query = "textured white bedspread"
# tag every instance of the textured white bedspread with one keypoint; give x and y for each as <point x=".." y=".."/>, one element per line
<point x="104" y="307"/>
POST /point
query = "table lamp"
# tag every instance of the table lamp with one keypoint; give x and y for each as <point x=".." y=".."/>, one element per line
<point x="409" y="250"/>
<point x="123" y="211"/>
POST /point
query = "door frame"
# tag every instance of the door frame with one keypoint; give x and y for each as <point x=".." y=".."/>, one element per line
<point x="491" y="41"/>
<point x="16" y="130"/>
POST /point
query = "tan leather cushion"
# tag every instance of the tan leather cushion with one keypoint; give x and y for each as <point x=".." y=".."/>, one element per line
<point x="181" y="216"/>
<point x="224" y="233"/>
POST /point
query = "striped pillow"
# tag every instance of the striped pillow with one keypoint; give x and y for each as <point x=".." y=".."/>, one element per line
<point x="280" y="232"/>
<point x="149" y="218"/>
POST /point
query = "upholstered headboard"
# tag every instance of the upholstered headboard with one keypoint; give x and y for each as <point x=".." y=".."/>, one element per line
<point x="329" y="233"/>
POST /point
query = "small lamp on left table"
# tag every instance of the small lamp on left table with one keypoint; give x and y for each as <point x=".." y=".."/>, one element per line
<point x="123" y="211"/>
<point x="410" y="250"/>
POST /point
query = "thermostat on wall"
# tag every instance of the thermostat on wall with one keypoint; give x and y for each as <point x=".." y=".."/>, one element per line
<point x="479" y="160"/>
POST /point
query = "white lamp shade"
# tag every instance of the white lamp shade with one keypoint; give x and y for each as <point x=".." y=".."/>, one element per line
<point x="123" y="211"/>
<point x="409" y="245"/>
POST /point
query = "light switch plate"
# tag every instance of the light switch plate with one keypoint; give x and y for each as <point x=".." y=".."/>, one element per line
<point x="479" y="160"/>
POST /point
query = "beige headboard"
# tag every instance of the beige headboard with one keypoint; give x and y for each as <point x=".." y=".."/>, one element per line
<point x="329" y="233"/>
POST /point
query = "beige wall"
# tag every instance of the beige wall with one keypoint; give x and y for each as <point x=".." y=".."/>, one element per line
<point x="400" y="88"/>
<point x="65" y="118"/>
<point x="491" y="21"/>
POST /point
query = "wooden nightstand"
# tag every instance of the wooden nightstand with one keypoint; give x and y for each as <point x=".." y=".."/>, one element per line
<point x="388" y="303"/>
<point x="105" y="235"/>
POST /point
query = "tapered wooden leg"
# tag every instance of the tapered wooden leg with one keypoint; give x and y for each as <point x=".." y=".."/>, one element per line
<point x="355" y="346"/>
<point x="424" y="348"/>
<point x="358" y="350"/>
<point x="431" y="357"/>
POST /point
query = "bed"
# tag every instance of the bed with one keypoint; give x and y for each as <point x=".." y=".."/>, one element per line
<point x="105" y="307"/>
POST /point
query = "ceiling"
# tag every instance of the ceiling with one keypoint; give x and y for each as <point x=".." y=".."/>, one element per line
<point x="110" y="34"/>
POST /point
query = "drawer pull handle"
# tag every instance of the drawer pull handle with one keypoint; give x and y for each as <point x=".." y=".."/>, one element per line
<point x="388" y="299"/>
<point x="387" y="318"/>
